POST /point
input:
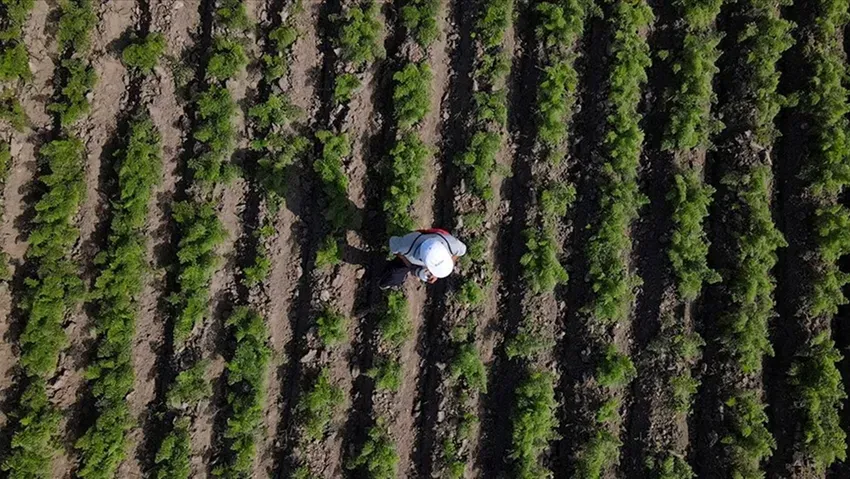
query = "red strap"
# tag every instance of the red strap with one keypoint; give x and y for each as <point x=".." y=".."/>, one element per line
<point x="435" y="231"/>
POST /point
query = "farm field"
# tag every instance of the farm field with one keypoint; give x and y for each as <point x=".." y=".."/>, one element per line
<point x="197" y="197"/>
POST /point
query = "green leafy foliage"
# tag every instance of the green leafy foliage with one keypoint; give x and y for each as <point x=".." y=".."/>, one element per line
<point x="615" y="369"/>
<point x="750" y="283"/>
<point x="214" y="133"/>
<point x="191" y="386"/>
<point x="379" y="457"/>
<point x="276" y="110"/>
<point x="72" y="102"/>
<point x="319" y="405"/>
<point x="34" y="442"/>
<point x="274" y="63"/>
<point x="419" y="17"/>
<point x="411" y="94"/>
<point x="534" y="424"/>
<point x="201" y="233"/>
<point x="328" y="253"/>
<point x="688" y="251"/>
<point x="765" y="38"/>
<point x="395" y="326"/>
<point x="387" y="374"/>
<point x="14" y="58"/>
<point x="599" y="453"/>
<point x="748" y="440"/>
<point x="542" y="270"/>
<point x="143" y="54"/>
<point x="122" y="269"/>
<point x="344" y="87"/>
<point x="331" y="326"/>
<point x="329" y="167"/>
<point x="55" y="286"/>
<point x="227" y="59"/>
<point x="670" y="466"/>
<point x="493" y="22"/>
<point x="406" y="168"/>
<point x="607" y="252"/>
<point x="466" y="366"/>
<point x="556" y="98"/>
<point x="232" y="14"/>
<point x="815" y="376"/>
<point x="76" y="21"/>
<point x="479" y="162"/>
<point x="360" y="33"/>
<point x="246" y="381"/>
<point x="279" y="152"/>
<point x="11" y="110"/>
<point x="172" y="458"/>
<point x="527" y="343"/>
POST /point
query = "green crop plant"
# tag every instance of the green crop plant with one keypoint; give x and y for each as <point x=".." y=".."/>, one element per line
<point x="331" y="327"/>
<point x="190" y="387"/>
<point x="11" y="110"/>
<point x="411" y="94"/>
<point x="360" y="31"/>
<point x="555" y="102"/>
<point x="378" y="457"/>
<point x="750" y="283"/>
<point x="466" y="365"/>
<point x="542" y="270"/>
<point x="610" y="279"/>
<point x="275" y="64"/>
<point x="319" y="404"/>
<point x="615" y="369"/>
<point x="227" y="59"/>
<point x="493" y="22"/>
<point x="328" y="253"/>
<point x="602" y="450"/>
<point x="279" y="152"/>
<point x="276" y="110"/>
<point x="419" y="18"/>
<point x="491" y="107"/>
<point x="232" y="14"/>
<point x="345" y="85"/>
<point x="406" y="167"/>
<point x="122" y="269"/>
<point x="748" y="441"/>
<point x="34" y="443"/>
<point x="215" y="134"/>
<point x="819" y="399"/>
<point x="76" y="21"/>
<point x="172" y="457"/>
<point x="14" y="58"/>
<point x="527" y="343"/>
<point x="670" y="466"/>
<point x="689" y="245"/>
<point x="534" y="424"/>
<point x="201" y="233"/>
<point x="479" y="162"/>
<point x="246" y="381"/>
<point x="72" y="102"/>
<point x="387" y="374"/>
<point x="329" y="167"/>
<point x="143" y="54"/>
<point x="395" y="327"/>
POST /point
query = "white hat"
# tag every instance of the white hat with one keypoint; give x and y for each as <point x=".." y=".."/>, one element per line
<point x="436" y="257"/>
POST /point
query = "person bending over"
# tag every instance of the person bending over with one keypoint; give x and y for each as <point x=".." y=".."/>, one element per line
<point x="429" y="254"/>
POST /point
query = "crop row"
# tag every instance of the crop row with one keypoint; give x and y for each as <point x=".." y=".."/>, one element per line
<point x="813" y="376"/>
<point x="686" y="135"/>
<point x="201" y="232"/>
<point x="477" y="164"/>
<point x="748" y="282"/>
<point x="560" y="25"/>
<point x="54" y="288"/>
<point x="123" y="266"/>
<point x="608" y="250"/>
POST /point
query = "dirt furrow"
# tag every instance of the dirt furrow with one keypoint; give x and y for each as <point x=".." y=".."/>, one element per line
<point x="285" y="250"/>
<point x="18" y="194"/>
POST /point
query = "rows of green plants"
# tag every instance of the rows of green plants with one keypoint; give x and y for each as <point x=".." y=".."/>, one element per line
<point x="748" y="281"/>
<point x="358" y="41"/>
<point x="200" y="233"/>
<point x="813" y="376"/>
<point x="611" y="281"/>
<point x="686" y="135"/>
<point x="123" y="265"/>
<point x="54" y="288"/>
<point x="277" y="146"/>
<point x="559" y="25"/>
<point x="477" y="164"/>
